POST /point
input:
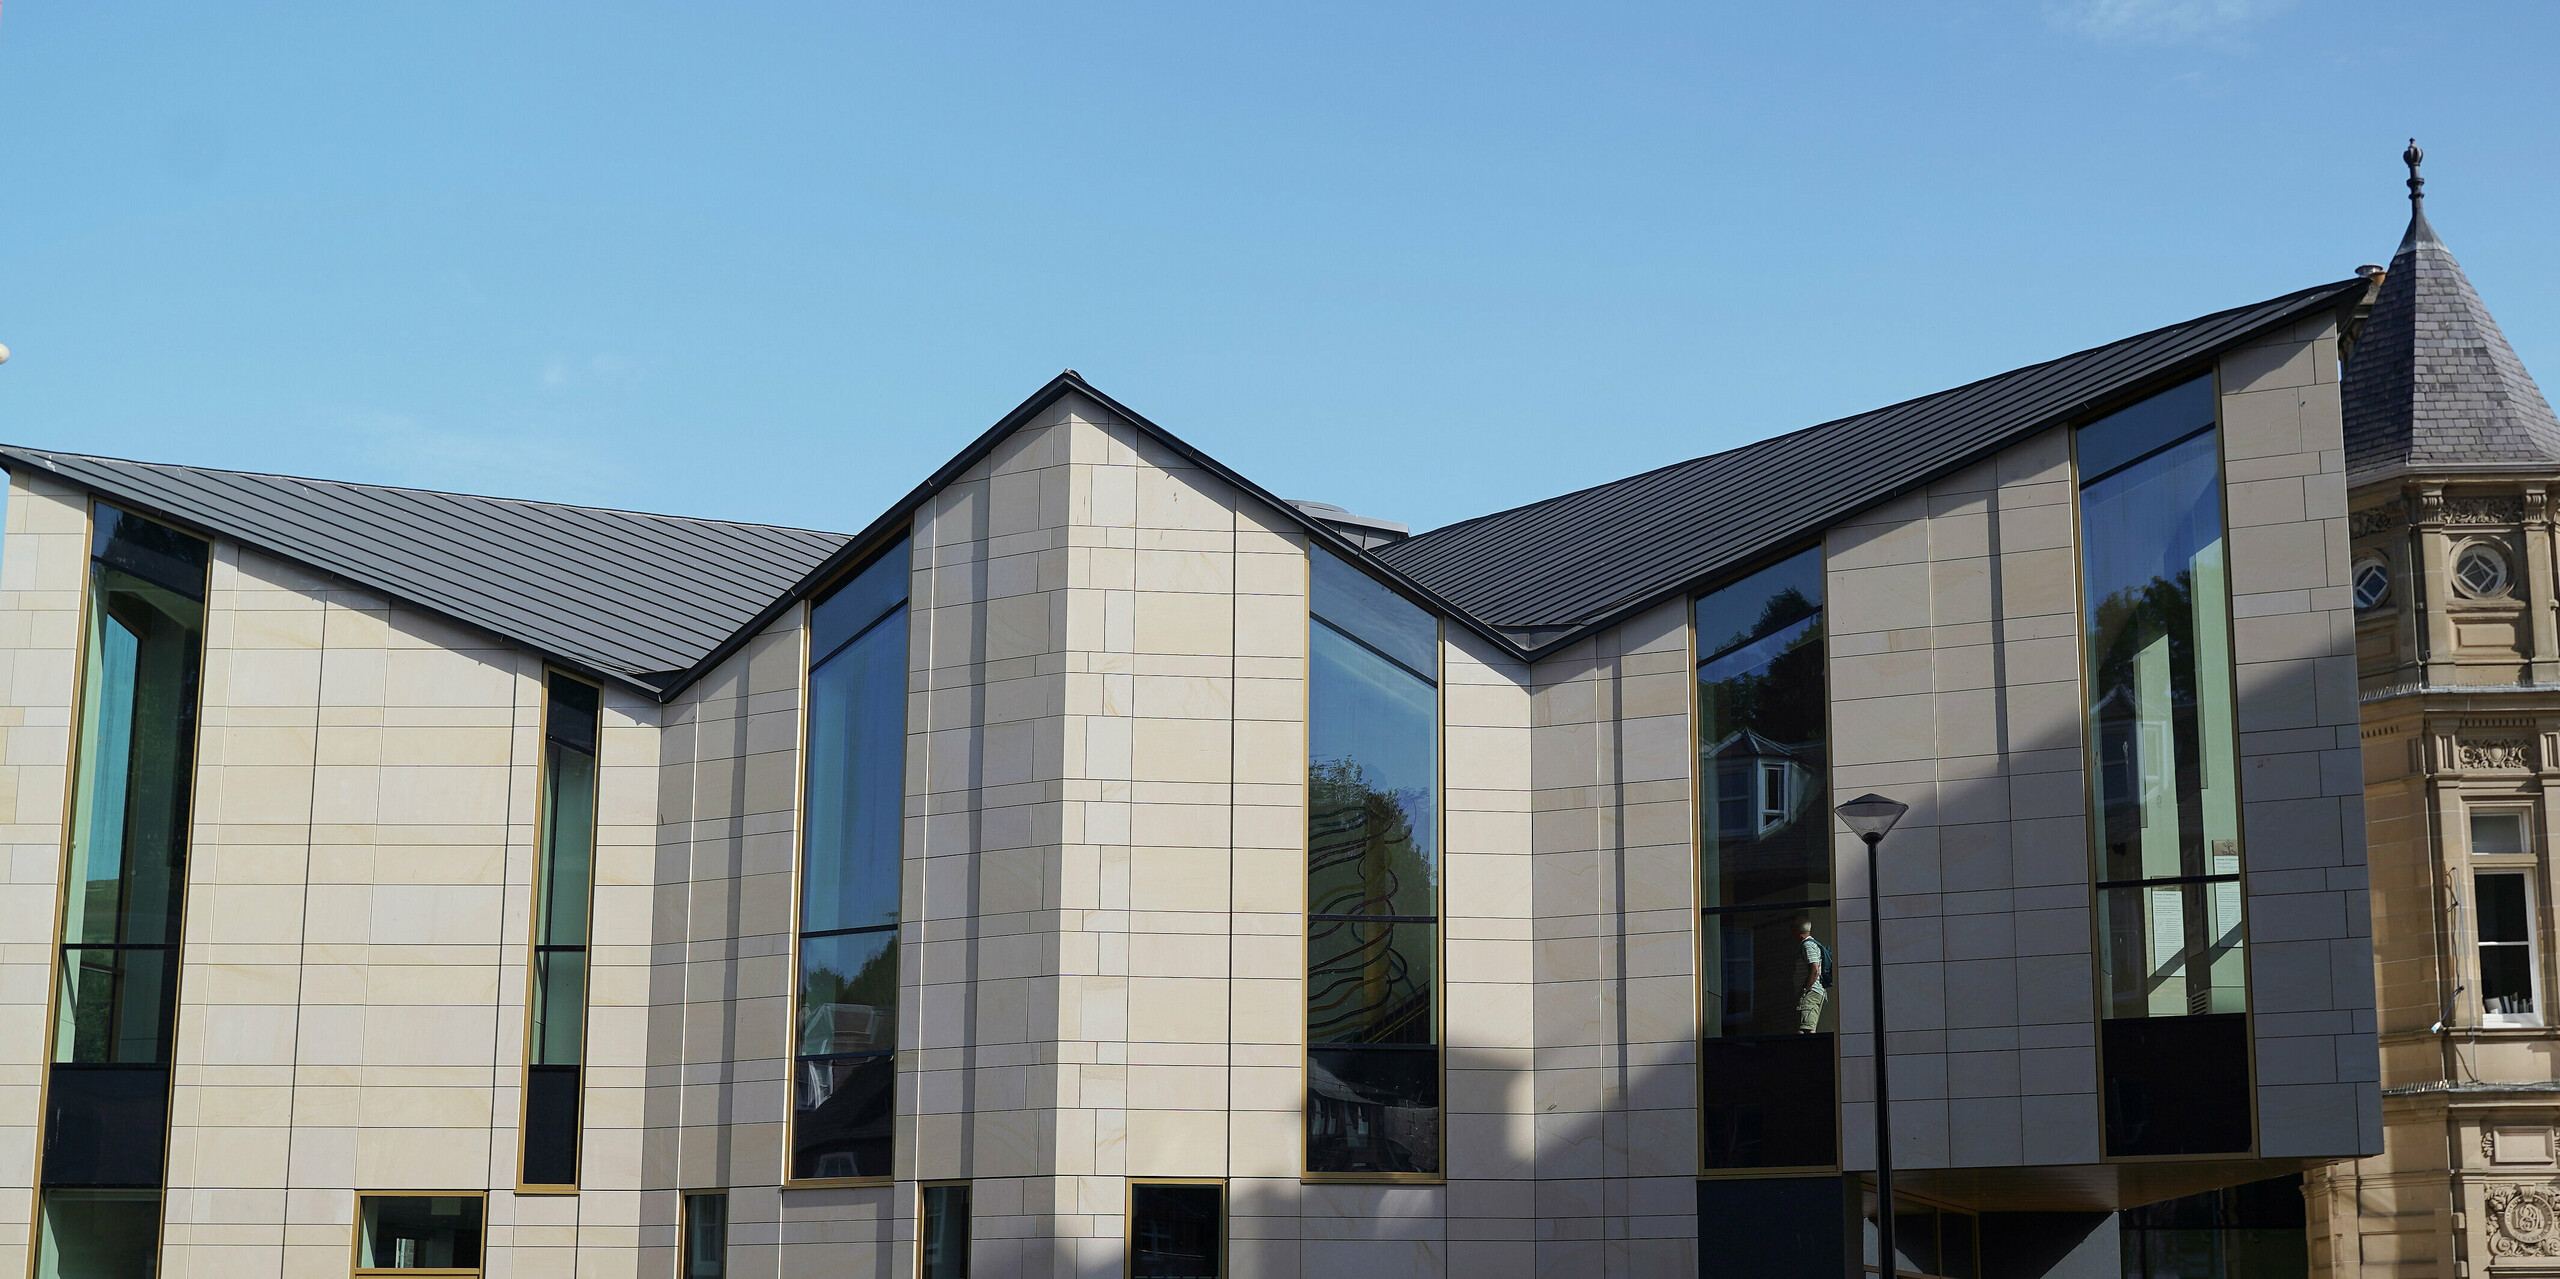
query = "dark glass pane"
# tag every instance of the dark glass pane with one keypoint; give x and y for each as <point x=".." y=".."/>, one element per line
<point x="155" y="553"/>
<point x="551" y="1125"/>
<point x="104" y="1125"/>
<point x="559" y="1007"/>
<point x="1370" y="983"/>
<point x="1176" y="1232"/>
<point x="845" y="1108"/>
<point x="1354" y="602"/>
<point x="2502" y="908"/>
<point x="1765" y="825"/>
<point x="1372" y="784"/>
<point x="568" y="845"/>
<point x="1768" y="972"/>
<point x="419" y="1232"/>
<point x="1767" y="1227"/>
<point x="944" y="1235"/>
<point x="99" y="1234"/>
<point x="2160" y="699"/>
<point x="115" y="1005"/>
<point x="2506" y="980"/>
<point x="137" y="749"/>
<point x="858" y="603"/>
<point x="1768" y="1103"/>
<point x="849" y="993"/>
<point x="706" y="1236"/>
<point x="1915" y="1238"/>
<point x="1761" y="604"/>
<point x="2128" y="433"/>
<point x="857" y="782"/>
<point x="1373" y="1110"/>
<point x="2173" y="950"/>
<point x="570" y="719"/>
<point x="2176" y="1085"/>
<point x="1957" y="1258"/>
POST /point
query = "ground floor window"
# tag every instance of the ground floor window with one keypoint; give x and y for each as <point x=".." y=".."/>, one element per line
<point x="1177" y="1230"/>
<point x="400" y="1233"/>
<point x="1928" y="1239"/>
<point x="98" y="1234"/>
<point x="2242" y="1232"/>
<point x="706" y="1235"/>
<point x="942" y="1231"/>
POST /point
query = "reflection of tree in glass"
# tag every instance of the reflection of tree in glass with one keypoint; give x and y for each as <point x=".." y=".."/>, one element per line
<point x="1364" y="860"/>
<point x="2130" y="622"/>
<point x="873" y="986"/>
<point x="1782" y="698"/>
<point x="2136" y="616"/>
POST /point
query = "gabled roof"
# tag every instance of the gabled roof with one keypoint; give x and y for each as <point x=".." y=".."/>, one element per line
<point x="1550" y="572"/>
<point x="640" y="599"/>
<point x="2432" y="384"/>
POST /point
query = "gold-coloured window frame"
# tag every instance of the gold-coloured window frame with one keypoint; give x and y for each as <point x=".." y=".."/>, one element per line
<point x="939" y="1183"/>
<point x="684" y="1228"/>
<point x="1439" y="895"/>
<point x="62" y="875"/>
<point x="1129" y="1219"/>
<point x="1697" y="870"/>
<point x="533" y="931"/>
<point x="355" y="1233"/>
<point x="854" y="566"/>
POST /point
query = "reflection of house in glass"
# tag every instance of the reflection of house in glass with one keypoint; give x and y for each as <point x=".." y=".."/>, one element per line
<point x="1761" y="788"/>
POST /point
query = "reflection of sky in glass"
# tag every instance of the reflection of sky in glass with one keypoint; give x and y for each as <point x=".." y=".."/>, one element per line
<point x="1364" y="709"/>
<point x="2148" y="522"/>
<point x="1751" y="657"/>
<point x="857" y="603"/>
<point x="1735" y="613"/>
<point x="857" y="781"/>
<point x="1388" y="622"/>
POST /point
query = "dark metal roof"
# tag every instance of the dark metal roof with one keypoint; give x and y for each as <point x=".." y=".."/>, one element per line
<point x="2432" y="383"/>
<point x="1547" y="573"/>
<point x="642" y="599"/>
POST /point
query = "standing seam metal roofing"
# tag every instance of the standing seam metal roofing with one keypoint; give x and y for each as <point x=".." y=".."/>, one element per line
<point x="638" y="598"/>
<point x="1549" y="572"/>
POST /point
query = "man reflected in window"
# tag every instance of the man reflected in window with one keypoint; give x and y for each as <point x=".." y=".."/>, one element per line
<point x="1817" y="979"/>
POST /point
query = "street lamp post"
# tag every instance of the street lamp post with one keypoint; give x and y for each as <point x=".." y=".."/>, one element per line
<point x="1869" y="816"/>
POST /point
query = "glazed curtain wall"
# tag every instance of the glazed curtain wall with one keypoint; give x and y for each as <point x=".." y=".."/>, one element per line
<point x="845" y="1075"/>
<point x="107" y="1097"/>
<point x="2163" y="769"/>
<point x="1766" y="932"/>
<point x="564" y="894"/>
<point x="1373" y="878"/>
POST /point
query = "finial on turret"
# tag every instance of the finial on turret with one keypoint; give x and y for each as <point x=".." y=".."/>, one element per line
<point x="2413" y="157"/>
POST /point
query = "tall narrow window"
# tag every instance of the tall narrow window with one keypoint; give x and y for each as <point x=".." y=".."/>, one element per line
<point x="1764" y="863"/>
<point x="2165" y="825"/>
<point x="1373" y="878"/>
<point x="2508" y="983"/>
<point x="706" y="1235"/>
<point x="125" y="863"/>
<point x="1177" y="1230"/>
<point x="564" y="886"/>
<point x="942" y="1231"/>
<point x="845" y="1073"/>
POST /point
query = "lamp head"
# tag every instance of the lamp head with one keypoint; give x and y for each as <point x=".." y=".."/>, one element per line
<point x="1869" y="816"/>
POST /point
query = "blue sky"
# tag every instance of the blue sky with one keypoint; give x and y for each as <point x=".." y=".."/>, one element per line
<point x="776" y="262"/>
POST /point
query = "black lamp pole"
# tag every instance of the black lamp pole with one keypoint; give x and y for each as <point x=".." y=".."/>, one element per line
<point x="1870" y="816"/>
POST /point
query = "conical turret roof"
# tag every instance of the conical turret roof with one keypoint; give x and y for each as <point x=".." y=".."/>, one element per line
<point x="2432" y="383"/>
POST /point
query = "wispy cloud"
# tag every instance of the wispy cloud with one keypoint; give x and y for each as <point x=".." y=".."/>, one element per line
<point x="2162" y="22"/>
<point x="396" y="448"/>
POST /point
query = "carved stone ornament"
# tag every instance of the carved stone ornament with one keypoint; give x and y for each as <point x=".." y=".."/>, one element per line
<point x="2483" y="510"/>
<point x="2376" y="519"/>
<point x="2524" y="1221"/>
<point x="2492" y="753"/>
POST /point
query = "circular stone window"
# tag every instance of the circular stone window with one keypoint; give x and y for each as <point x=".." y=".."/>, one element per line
<point x="2373" y="583"/>
<point x="2481" y="570"/>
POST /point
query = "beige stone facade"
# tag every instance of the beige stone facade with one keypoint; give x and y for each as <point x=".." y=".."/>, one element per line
<point x="1104" y="885"/>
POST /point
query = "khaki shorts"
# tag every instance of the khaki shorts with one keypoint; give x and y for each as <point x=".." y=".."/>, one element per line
<point x="1809" y="1008"/>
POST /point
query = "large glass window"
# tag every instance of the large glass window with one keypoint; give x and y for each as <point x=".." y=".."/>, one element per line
<point x="418" y="1232"/>
<point x="1373" y="878"/>
<point x="2162" y="760"/>
<point x="1177" y="1230"/>
<point x="125" y="867"/>
<point x="845" y="1073"/>
<point x="2509" y="983"/>
<point x="1764" y="866"/>
<point x="564" y="890"/>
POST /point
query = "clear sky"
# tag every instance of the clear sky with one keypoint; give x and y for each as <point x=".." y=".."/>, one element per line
<point x="777" y="261"/>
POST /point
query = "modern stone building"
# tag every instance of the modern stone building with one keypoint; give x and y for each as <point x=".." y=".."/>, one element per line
<point x="1098" y="865"/>
<point x="2453" y="456"/>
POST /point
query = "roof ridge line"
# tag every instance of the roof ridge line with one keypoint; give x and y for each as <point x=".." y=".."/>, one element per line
<point x="417" y="489"/>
